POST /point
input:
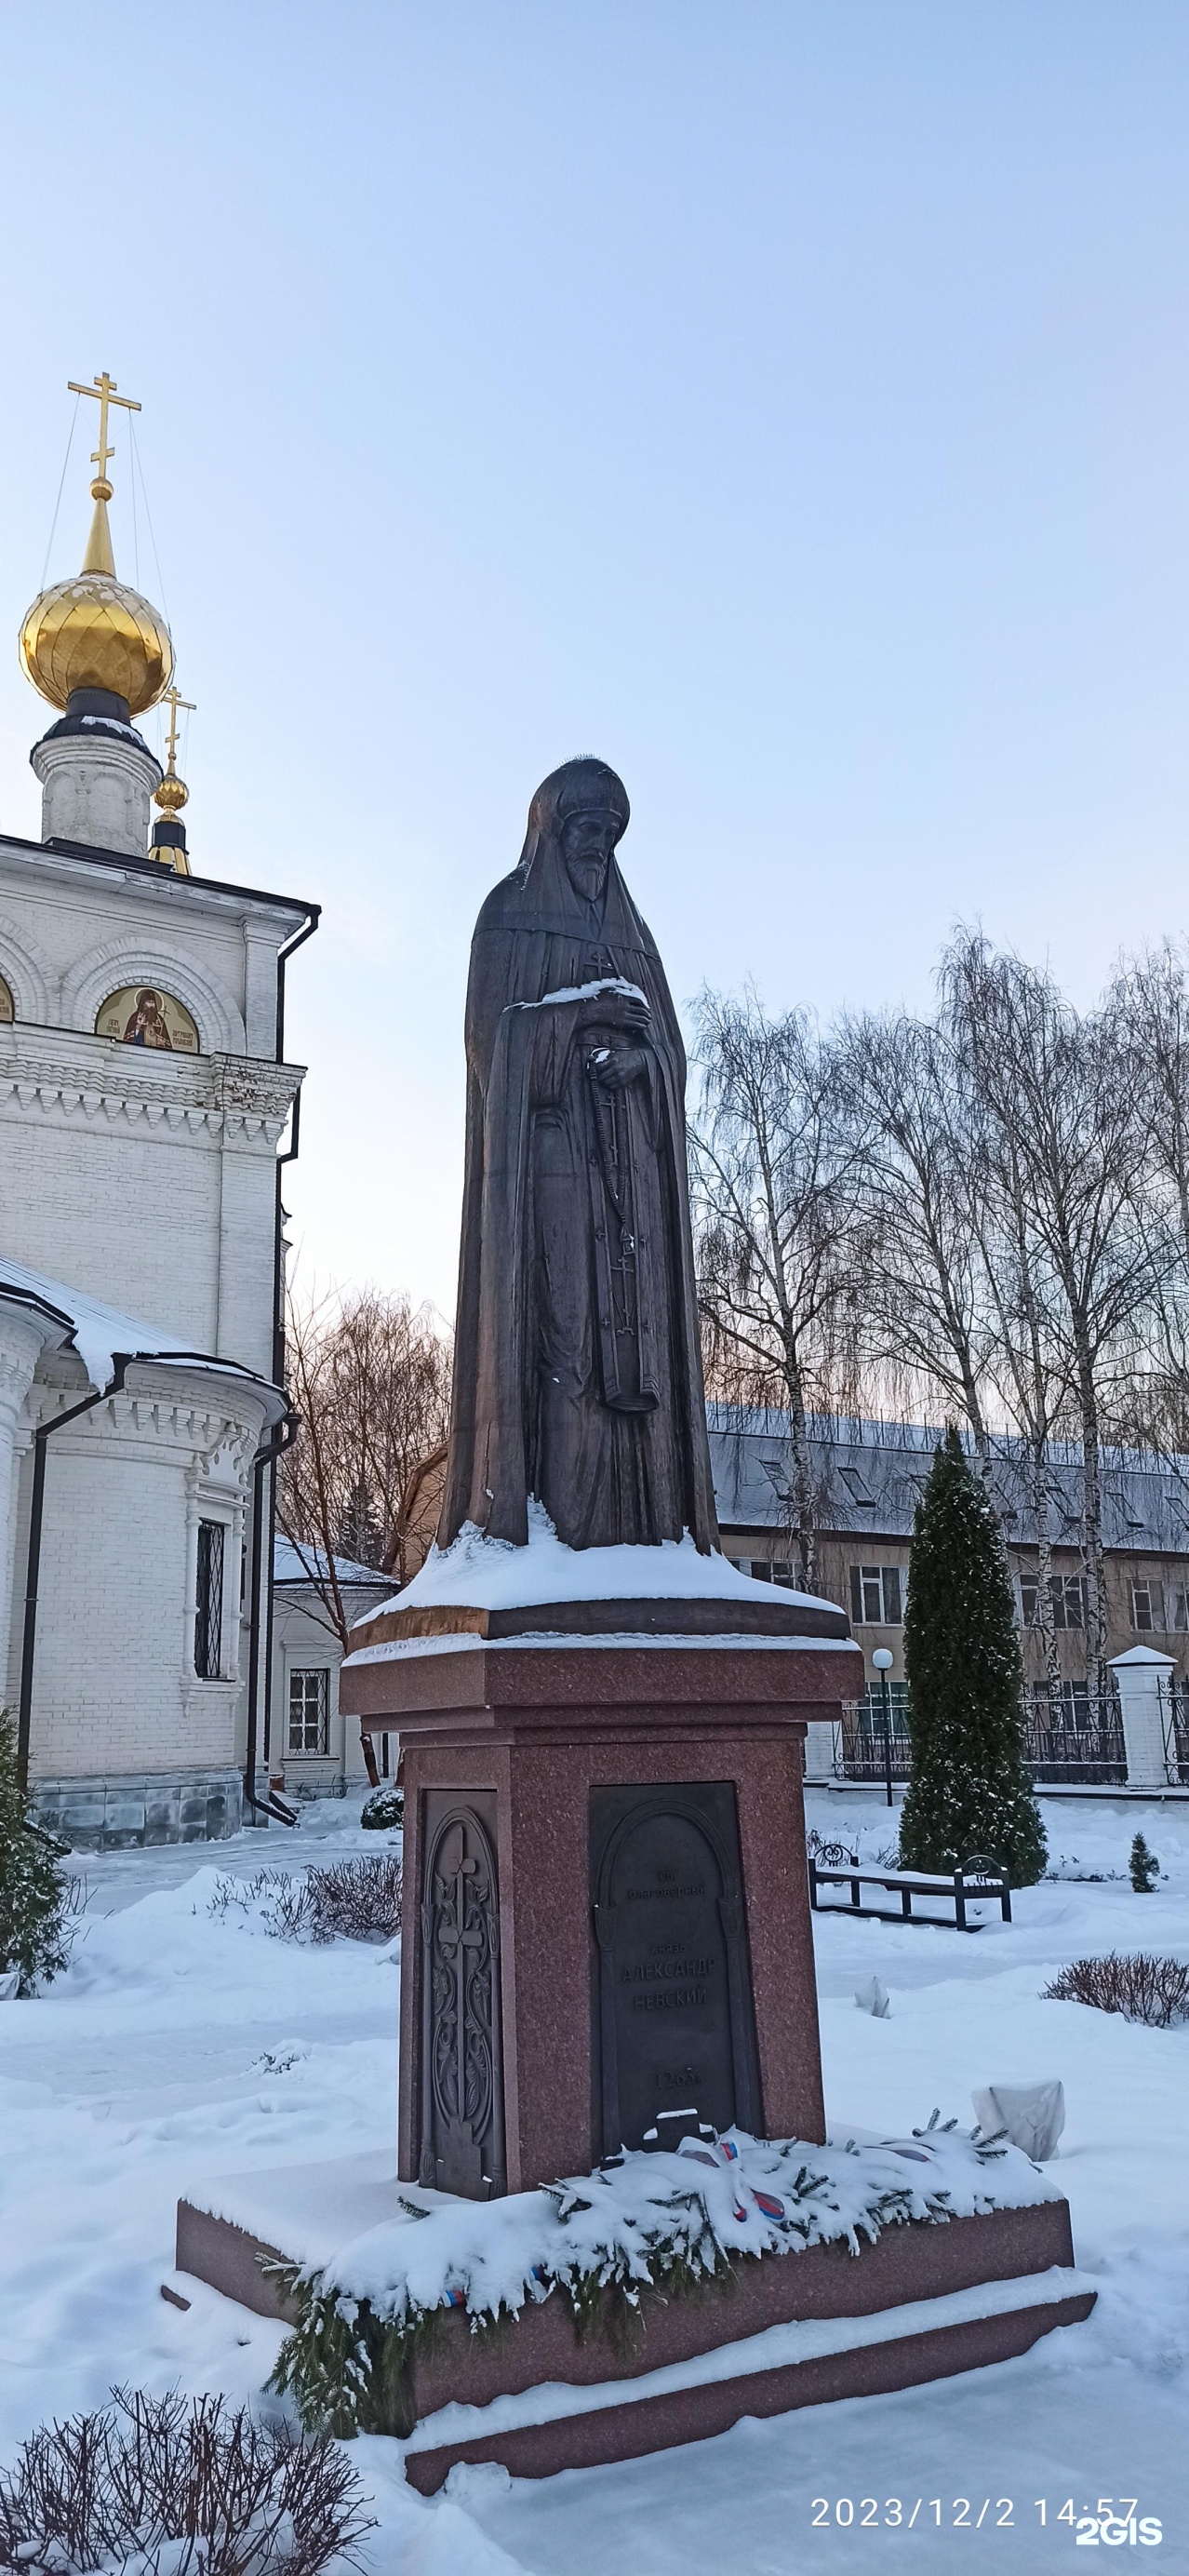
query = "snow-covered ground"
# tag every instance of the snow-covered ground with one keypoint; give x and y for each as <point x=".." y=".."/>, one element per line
<point x="179" y="2045"/>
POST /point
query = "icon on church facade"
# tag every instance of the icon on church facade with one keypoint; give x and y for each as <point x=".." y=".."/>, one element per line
<point x="142" y="1015"/>
<point x="6" y="1010"/>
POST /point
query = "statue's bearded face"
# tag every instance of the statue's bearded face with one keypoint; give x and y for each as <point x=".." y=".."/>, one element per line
<point x="587" y="842"/>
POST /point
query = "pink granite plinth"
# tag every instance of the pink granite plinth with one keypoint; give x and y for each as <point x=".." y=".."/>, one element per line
<point x="535" y="1724"/>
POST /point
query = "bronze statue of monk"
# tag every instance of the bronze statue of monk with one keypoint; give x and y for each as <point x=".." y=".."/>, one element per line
<point x="577" y="1373"/>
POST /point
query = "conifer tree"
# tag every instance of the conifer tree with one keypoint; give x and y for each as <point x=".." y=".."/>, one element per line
<point x="33" y="1914"/>
<point x="970" y="1791"/>
<point x="1145" y="1868"/>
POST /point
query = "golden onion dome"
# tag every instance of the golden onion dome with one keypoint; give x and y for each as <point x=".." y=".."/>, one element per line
<point x="93" y="632"/>
<point x="172" y="793"/>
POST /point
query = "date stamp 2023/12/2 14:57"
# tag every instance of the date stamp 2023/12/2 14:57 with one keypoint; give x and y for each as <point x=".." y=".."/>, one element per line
<point x="1110" y="2522"/>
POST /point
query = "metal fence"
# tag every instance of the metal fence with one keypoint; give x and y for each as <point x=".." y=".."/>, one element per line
<point x="1075" y="1742"/>
<point x="1175" y="1711"/>
<point x="864" y="1753"/>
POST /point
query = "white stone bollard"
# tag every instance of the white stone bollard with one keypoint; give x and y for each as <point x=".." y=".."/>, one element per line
<point x="823" y="1752"/>
<point x="1143" y="1706"/>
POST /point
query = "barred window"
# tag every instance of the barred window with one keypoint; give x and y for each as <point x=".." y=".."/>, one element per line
<point x="871" y="1709"/>
<point x="208" y="1622"/>
<point x="309" y="1710"/>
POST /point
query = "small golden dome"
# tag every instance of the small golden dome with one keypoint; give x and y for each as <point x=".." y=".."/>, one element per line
<point x="172" y="793"/>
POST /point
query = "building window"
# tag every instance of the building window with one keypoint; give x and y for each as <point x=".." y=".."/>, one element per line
<point x="871" y="1709"/>
<point x="208" y="1622"/>
<point x="876" y="1599"/>
<point x="1147" y="1608"/>
<point x="6" y="1009"/>
<point x="1067" y="1593"/>
<point x="309" y="1710"/>
<point x="766" y="1569"/>
<point x="1178" y="1609"/>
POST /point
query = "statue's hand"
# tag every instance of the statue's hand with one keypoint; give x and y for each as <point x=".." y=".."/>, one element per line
<point x="614" y="1067"/>
<point x="626" y="1011"/>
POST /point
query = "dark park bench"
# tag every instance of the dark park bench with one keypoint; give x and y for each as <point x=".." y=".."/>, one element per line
<point x="976" y="1878"/>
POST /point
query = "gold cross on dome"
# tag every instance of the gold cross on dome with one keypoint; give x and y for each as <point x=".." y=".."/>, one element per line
<point x="174" y="700"/>
<point x="103" y="391"/>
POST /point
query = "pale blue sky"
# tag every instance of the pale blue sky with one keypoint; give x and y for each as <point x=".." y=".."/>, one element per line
<point x="786" y="402"/>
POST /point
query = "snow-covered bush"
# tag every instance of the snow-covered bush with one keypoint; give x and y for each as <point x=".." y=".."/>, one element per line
<point x="37" y="1899"/>
<point x="384" y="1808"/>
<point x="1140" y="1987"/>
<point x="176" y="2486"/>
<point x="970" y="1790"/>
<point x="357" y="1900"/>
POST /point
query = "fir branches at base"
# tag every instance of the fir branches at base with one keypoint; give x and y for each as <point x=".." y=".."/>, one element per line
<point x="612" y="2248"/>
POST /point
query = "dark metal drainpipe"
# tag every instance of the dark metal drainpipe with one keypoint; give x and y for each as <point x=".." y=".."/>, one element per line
<point x="43" y="1432"/>
<point x="267" y="1461"/>
<point x="280" y="1438"/>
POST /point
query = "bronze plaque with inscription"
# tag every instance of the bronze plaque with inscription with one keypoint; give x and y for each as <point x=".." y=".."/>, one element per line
<point x="673" y="2025"/>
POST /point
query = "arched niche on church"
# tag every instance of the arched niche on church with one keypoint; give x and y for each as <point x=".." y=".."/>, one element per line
<point x="7" y="1010"/>
<point x="145" y="1015"/>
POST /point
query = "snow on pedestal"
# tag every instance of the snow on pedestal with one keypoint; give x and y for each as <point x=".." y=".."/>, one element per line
<point x="481" y="1573"/>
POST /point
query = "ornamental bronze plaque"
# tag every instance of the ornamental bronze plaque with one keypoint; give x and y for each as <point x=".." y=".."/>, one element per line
<point x="673" y="2025"/>
<point x="462" y="2103"/>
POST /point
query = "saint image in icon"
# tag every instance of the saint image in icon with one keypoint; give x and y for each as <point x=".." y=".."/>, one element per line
<point x="146" y="1027"/>
<point x="143" y="1015"/>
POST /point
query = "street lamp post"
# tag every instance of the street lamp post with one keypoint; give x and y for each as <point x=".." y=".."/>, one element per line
<point x="882" y="1664"/>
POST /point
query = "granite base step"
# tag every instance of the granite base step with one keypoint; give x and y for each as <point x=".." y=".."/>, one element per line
<point x="799" y="2329"/>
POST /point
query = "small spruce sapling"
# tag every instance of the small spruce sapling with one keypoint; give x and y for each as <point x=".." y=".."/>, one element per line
<point x="1145" y="1868"/>
<point x="34" y="1894"/>
<point x="970" y="1789"/>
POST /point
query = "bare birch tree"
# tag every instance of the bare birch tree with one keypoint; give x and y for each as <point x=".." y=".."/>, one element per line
<point x="775" y="1187"/>
<point x="1149" y="1000"/>
<point x="1054" y="1086"/>
<point x="925" y="1302"/>
<point x="369" y="1376"/>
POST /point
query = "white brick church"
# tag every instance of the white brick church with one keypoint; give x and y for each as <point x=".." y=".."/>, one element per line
<point x="144" y="1097"/>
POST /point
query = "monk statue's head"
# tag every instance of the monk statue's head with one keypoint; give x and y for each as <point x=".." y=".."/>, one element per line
<point x="590" y="814"/>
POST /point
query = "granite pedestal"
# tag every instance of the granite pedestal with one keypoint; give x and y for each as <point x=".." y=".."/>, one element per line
<point x="607" y="1934"/>
<point x="607" y="1941"/>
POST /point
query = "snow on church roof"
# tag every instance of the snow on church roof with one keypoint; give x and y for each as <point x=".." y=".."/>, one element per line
<point x="101" y="1334"/>
<point x="302" y="1564"/>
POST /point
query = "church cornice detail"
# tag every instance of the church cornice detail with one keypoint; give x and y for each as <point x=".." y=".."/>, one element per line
<point x="213" y="1434"/>
<point x="66" y="1074"/>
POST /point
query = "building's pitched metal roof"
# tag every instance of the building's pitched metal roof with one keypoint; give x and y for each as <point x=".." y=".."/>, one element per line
<point x="869" y="1476"/>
